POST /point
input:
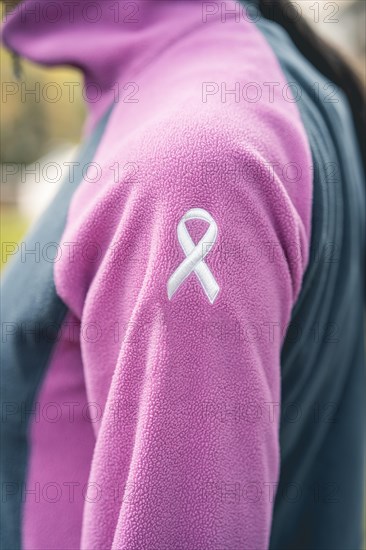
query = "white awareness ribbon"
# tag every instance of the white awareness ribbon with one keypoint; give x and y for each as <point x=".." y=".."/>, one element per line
<point x="195" y="254"/>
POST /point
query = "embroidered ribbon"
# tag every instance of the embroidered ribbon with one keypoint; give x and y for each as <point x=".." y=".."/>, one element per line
<point x="195" y="254"/>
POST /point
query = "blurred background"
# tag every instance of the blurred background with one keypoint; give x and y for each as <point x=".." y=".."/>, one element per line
<point x="40" y="126"/>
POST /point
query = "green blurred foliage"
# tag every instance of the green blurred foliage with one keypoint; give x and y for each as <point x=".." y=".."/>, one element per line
<point x="13" y="226"/>
<point x="32" y="123"/>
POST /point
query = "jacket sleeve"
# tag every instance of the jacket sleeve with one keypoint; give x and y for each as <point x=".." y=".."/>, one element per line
<point x="183" y="314"/>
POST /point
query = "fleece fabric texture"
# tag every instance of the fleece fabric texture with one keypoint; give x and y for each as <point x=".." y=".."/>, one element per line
<point x="184" y="449"/>
<point x="320" y="499"/>
<point x="32" y="326"/>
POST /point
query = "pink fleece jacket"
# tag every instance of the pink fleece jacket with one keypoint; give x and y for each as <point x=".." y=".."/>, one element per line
<point x="183" y="256"/>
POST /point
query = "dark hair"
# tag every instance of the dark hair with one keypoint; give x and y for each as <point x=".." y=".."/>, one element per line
<point x="325" y="58"/>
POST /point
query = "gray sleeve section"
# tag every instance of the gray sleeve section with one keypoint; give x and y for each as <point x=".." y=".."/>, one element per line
<point x="319" y="502"/>
<point x="31" y="314"/>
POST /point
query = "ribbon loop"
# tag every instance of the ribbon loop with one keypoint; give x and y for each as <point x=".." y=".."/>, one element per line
<point x="195" y="255"/>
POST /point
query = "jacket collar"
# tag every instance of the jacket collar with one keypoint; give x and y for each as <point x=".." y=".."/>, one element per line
<point x="111" y="42"/>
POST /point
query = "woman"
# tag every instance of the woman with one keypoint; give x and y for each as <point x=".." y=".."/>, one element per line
<point x="192" y="353"/>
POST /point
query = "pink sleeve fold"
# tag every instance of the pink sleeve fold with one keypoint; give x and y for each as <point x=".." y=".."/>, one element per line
<point x="187" y="452"/>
